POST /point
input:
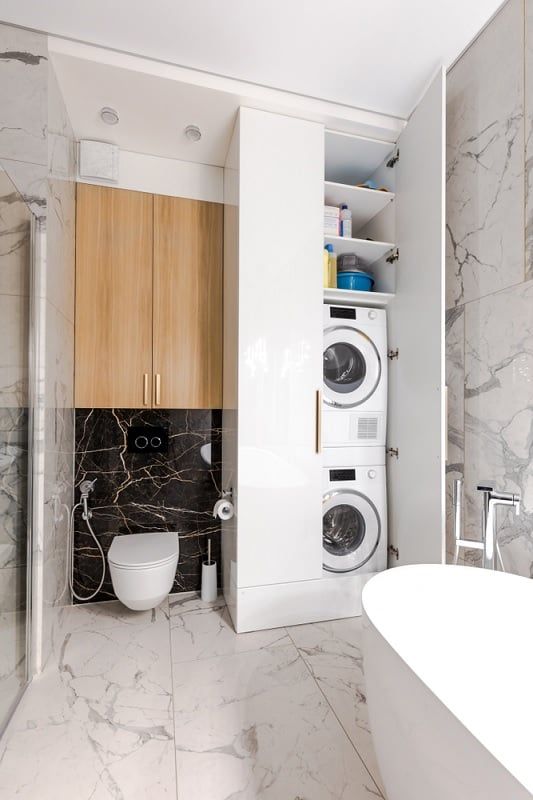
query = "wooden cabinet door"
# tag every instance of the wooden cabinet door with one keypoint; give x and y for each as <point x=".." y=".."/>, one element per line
<point x="114" y="247"/>
<point x="187" y="303"/>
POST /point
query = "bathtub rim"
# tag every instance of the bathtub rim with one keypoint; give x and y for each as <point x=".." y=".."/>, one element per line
<point x="510" y="751"/>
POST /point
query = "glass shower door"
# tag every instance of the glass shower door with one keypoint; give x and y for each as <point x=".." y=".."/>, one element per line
<point x="15" y="518"/>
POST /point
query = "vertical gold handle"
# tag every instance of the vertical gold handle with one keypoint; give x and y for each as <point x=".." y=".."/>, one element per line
<point x="318" y="431"/>
<point x="157" y="389"/>
<point x="145" y="389"/>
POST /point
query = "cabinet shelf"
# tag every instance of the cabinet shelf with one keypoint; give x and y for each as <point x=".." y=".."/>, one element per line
<point x="346" y="297"/>
<point x="367" y="251"/>
<point x="364" y="204"/>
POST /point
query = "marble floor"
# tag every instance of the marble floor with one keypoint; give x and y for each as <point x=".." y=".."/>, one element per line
<point x="173" y="704"/>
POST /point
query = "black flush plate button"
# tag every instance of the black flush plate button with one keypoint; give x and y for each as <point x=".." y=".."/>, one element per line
<point x="147" y="439"/>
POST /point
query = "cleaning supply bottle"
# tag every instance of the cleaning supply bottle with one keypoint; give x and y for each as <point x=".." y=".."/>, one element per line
<point x="325" y="267"/>
<point x="332" y="266"/>
<point x="346" y="221"/>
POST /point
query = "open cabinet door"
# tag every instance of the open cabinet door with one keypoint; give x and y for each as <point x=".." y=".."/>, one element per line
<point x="416" y="328"/>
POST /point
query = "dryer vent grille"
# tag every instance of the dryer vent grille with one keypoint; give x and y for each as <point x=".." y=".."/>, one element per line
<point x="367" y="428"/>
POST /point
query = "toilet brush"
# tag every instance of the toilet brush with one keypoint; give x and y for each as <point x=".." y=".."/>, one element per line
<point x="209" y="577"/>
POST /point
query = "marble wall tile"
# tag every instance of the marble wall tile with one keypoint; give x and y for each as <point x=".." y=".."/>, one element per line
<point x="37" y="150"/>
<point x="455" y="375"/>
<point x="499" y="414"/>
<point x="146" y="492"/>
<point x="485" y="162"/>
<point x="528" y="93"/>
<point x="31" y="182"/>
<point x="61" y="239"/>
<point x="61" y="141"/>
<point x="58" y="466"/>
<point x="15" y="223"/>
<point x="23" y="95"/>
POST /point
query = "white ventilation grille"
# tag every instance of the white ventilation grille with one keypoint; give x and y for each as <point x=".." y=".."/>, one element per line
<point x="367" y="428"/>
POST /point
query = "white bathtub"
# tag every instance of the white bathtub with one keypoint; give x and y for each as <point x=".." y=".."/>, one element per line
<point x="449" y="672"/>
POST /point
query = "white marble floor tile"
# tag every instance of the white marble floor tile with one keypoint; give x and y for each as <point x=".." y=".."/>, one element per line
<point x="333" y="653"/>
<point x="208" y="632"/>
<point x="255" y="725"/>
<point x="191" y="601"/>
<point x="97" y="725"/>
<point x="112" y="614"/>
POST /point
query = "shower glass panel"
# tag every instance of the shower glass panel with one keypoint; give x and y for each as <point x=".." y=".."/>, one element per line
<point x="15" y="517"/>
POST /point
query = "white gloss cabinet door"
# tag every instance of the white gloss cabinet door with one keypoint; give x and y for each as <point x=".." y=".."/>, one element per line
<point x="279" y="520"/>
<point x="416" y="420"/>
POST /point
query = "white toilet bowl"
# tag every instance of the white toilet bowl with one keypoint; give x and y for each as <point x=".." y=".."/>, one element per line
<point x="143" y="568"/>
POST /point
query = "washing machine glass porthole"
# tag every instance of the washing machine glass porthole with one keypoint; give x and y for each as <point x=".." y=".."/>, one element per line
<point x="344" y="367"/>
<point x="343" y="530"/>
<point x="351" y="530"/>
<point x="351" y="367"/>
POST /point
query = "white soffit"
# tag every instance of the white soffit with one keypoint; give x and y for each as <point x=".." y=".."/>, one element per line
<point x="156" y="101"/>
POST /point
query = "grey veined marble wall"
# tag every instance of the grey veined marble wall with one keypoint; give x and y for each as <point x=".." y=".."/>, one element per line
<point x="37" y="151"/>
<point x="489" y="252"/>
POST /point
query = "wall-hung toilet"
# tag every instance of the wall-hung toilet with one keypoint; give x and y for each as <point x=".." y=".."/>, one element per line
<point x="143" y="567"/>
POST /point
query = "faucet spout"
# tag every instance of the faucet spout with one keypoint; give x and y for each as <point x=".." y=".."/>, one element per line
<point x="491" y="500"/>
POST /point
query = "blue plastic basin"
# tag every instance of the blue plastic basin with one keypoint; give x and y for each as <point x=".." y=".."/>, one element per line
<point x="356" y="281"/>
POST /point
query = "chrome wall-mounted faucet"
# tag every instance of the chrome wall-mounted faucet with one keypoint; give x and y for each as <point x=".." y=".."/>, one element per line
<point x="491" y="499"/>
<point x="488" y="542"/>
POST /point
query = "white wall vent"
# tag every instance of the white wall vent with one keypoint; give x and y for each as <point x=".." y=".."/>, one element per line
<point x="98" y="161"/>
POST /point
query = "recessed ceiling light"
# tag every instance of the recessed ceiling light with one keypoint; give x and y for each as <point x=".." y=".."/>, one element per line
<point x="193" y="133"/>
<point x="109" y="115"/>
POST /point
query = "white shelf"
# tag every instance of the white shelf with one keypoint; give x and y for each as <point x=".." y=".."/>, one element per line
<point x="353" y="159"/>
<point x="364" y="204"/>
<point x="346" y="297"/>
<point x="367" y="251"/>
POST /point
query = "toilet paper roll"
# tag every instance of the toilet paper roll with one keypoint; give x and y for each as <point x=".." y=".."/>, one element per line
<point x="223" y="509"/>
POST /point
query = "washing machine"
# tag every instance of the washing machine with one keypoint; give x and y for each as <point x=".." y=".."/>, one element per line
<point x="354" y="377"/>
<point x="354" y="510"/>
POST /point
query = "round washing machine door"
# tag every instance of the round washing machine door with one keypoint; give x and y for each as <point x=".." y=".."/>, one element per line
<point x="351" y="529"/>
<point x="352" y="367"/>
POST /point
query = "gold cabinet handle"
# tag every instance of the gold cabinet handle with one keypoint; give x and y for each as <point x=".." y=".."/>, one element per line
<point x="318" y="431"/>
<point x="157" y="389"/>
<point x="145" y="389"/>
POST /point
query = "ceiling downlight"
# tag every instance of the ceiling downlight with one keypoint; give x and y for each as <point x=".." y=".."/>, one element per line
<point x="109" y="115"/>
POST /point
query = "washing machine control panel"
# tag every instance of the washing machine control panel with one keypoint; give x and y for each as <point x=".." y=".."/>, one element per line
<point x="371" y="473"/>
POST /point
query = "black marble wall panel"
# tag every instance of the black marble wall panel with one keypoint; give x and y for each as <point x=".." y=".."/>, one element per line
<point x="140" y="492"/>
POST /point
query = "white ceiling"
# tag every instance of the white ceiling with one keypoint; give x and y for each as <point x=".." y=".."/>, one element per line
<point x="372" y="54"/>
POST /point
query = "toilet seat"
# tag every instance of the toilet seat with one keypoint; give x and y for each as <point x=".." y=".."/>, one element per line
<point x="143" y="550"/>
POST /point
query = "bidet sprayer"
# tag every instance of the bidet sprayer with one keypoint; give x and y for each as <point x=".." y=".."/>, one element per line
<point x="86" y="487"/>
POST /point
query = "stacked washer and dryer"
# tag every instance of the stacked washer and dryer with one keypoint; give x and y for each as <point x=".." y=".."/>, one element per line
<point x="354" y="423"/>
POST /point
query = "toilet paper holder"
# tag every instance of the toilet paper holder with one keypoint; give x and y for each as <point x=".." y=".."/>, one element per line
<point x="223" y="508"/>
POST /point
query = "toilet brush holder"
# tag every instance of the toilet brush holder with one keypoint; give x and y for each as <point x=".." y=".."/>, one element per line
<point x="209" y="578"/>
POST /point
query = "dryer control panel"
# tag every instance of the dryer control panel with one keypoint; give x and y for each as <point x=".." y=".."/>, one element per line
<point x="341" y="475"/>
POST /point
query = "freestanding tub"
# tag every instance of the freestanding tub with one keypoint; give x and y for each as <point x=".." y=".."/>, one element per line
<point x="448" y="657"/>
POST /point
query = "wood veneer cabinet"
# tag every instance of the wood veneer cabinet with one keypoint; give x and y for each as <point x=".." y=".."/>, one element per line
<point x="113" y="328"/>
<point x="188" y="302"/>
<point x="148" y="300"/>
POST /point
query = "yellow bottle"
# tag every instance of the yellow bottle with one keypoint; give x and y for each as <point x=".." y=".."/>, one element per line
<point x="325" y="268"/>
<point x="332" y="267"/>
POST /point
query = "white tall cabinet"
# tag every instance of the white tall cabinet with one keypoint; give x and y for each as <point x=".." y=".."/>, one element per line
<point x="273" y="298"/>
<point x="273" y="307"/>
